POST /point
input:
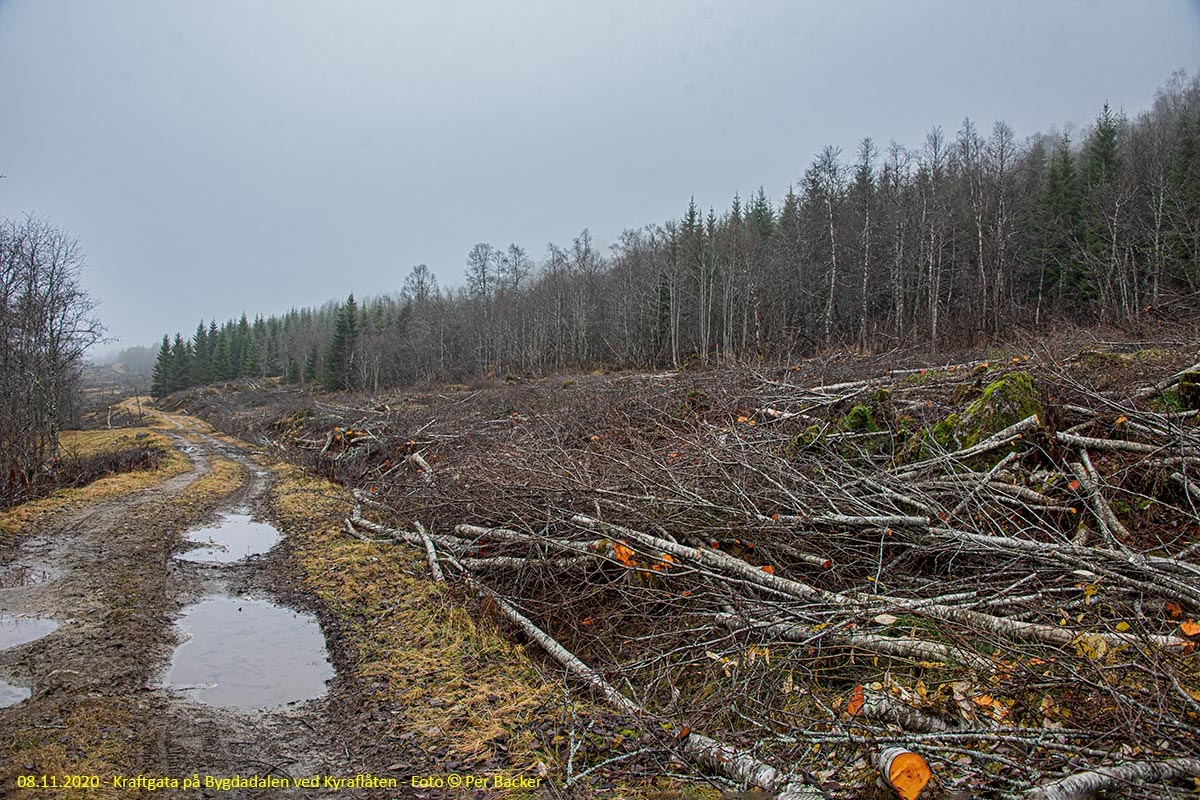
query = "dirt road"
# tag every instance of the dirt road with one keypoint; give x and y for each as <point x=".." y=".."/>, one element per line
<point x="110" y="576"/>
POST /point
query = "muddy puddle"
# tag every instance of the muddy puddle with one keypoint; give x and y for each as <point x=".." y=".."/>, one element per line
<point x="234" y="538"/>
<point x="10" y="694"/>
<point x="248" y="654"/>
<point x="22" y="630"/>
<point x="29" y="573"/>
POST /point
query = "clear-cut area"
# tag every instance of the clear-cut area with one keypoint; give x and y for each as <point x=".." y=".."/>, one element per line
<point x="248" y="654"/>
<point x="235" y="537"/>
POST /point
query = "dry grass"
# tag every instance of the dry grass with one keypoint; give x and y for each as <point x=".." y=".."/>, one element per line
<point x="90" y="443"/>
<point x="98" y="736"/>
<point x="224" y="477"/>
<point x="463" y="686"/>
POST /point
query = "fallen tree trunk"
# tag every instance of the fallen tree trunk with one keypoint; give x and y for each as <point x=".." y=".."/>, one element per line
<point x="1115" y="445"/>
<point x="898" y="646"/>
<point x="430" y="554"/>
<point x="1083" y="785"/>
<point x="870" y="704"/>
<point x="723" y="562"/>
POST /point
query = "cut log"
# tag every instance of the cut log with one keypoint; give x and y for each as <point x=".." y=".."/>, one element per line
<point x="1163" y="385"/>
<point x="1089" y="480"/>
<point x="421" y="463"/>
<point x="904" y="771"/>
<point x="897" y="646"/>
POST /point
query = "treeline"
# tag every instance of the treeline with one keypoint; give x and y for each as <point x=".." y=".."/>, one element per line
<point x="964" y="236"/>
<point x="46" y="325"/>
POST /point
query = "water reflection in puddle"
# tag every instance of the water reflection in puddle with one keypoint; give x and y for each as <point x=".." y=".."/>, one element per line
<point x="234" y="538"/>
<point x="10" y="695"/>
<point x="248" y="654"/>
<point x="29" y="573"/>
<point x="20" y="630"/>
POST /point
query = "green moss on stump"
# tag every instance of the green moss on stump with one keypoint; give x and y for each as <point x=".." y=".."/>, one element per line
<point x="1004" y="402"/>
<point x="860" y="418"/>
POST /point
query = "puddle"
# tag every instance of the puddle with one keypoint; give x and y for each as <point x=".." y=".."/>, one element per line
<point x="248" y="654"/>
<point x="10" y="695"/>
<point x="29" y="573"/>
<point x="234" y="538"/>
<point x="20" y="630"/>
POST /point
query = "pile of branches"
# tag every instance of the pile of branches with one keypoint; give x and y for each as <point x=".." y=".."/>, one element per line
<point x="993" y="566"/>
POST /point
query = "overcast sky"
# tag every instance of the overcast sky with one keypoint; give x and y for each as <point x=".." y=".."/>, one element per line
<point x="215" y="157"/>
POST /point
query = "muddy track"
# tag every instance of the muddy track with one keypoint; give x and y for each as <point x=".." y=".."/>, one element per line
<point x="117" y="589"/>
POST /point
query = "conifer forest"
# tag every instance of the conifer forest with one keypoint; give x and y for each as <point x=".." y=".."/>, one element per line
<point x="964" y="236"/>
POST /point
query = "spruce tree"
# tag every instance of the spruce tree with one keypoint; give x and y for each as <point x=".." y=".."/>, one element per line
<point x="162" y="369"/>
<point x="1183" y="199"/>
<point x="177" y="378"/>
<point x="312" y="366"/>
<point x="340" y="360"/>
<point x="249" y="365"/>
<point x="239" y="339"/>
<point x="199" y="371"/>
<point x="1058" y="217"/>
<point x="222" y="362"/>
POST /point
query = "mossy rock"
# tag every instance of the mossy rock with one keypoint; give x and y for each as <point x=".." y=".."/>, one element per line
<point x="1004" y="402"/>
<point x="946" y="433"/>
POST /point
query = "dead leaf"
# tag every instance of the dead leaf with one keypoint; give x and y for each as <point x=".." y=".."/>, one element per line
<point x="855" y="704"/>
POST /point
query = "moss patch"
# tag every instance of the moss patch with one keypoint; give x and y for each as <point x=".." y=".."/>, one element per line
<point x="860" y="418"/>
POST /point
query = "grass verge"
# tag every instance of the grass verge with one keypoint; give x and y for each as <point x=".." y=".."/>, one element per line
<point x="465" y="689"/>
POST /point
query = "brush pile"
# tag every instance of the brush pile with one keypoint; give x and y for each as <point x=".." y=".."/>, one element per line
<point x="784" y="576"/>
